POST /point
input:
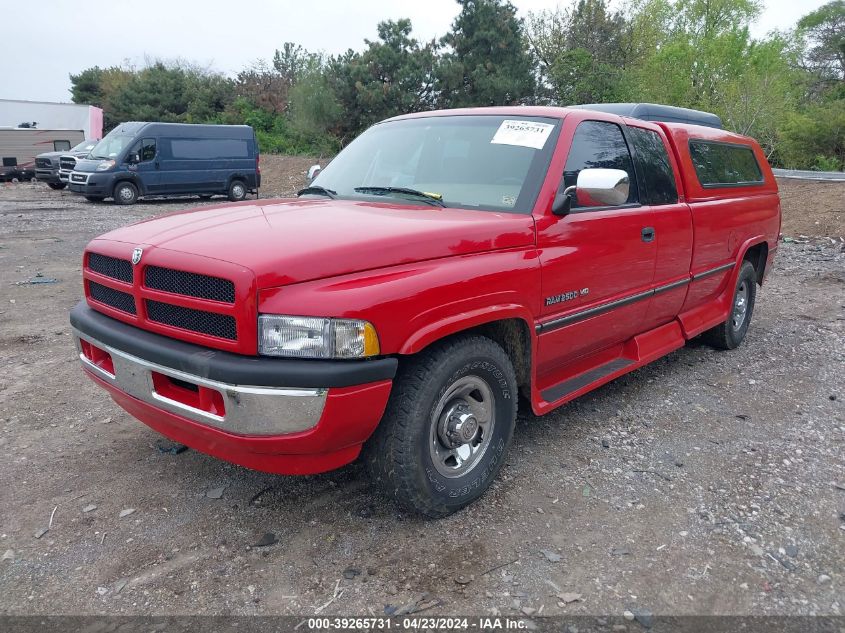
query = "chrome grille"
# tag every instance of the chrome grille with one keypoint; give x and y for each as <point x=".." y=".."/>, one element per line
<point x="67" y="162"/>
<point x="44" y="163"/>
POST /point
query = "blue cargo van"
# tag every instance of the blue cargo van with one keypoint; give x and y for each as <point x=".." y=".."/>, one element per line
<point x="163" y="159"/>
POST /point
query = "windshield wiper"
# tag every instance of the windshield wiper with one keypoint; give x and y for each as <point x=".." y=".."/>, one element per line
<point x="318" y="190"/>
<point x="430" y="198"/>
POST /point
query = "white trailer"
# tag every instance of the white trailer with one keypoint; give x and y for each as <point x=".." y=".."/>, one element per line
<point x="53" y="116"/>
<point x="20" y="146"/>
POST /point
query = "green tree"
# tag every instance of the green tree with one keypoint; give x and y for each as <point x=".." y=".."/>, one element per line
<point x="269" y="85"/>
<point x="582" y="51"/>
<point x="97" y="86"/>
<point x="176" y="93"/>
<point x="393" y="75"/>
<point x="86" y="87"/>
<point x="822" y="35"/>
<point x="704" y="43"/>
<point x="762" y="93"/>
<point x="315" y="111"/>
<point x="815" y="137"/>
<point x="487" y="61"/>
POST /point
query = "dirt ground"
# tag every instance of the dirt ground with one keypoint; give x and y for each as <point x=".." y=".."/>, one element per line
<point x="706" y="483"/>
<point x="812" y="208"/>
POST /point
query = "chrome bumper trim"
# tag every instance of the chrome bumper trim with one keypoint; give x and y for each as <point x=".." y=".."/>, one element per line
<point x="249" y="410"/>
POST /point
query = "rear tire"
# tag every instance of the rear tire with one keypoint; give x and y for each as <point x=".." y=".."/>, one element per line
<point x="447" y="427"/>
<point x="731" y="333"/>
<point x="125" y="193"/>
<point x="56" y="185"/>
<point x="237" y="191"/>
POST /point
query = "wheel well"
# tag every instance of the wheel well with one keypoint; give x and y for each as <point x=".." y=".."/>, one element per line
<point x="117" y="183"/>
<point x="758" y="255"/>
<point x="514" y="337"/>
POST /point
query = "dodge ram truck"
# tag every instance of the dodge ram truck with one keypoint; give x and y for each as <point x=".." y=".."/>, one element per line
<point x="441" y="266"/>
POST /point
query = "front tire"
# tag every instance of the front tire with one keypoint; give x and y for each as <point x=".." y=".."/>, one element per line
<point x="125" y="193"/>
<point x="447" y="427"/>
<point x="237" y="191"/>
<point x="56" y="185"/>
<point x="731" y="333"/>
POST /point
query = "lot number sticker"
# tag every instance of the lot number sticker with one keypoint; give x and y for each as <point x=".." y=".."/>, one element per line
<point x="523" y="133"/>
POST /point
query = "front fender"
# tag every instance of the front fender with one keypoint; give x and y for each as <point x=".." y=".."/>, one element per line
<point x="463" y="321"/>
<point x="413" y="305"/>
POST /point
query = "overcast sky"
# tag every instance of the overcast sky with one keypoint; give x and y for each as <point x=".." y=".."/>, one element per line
<point x="42" y="45"/>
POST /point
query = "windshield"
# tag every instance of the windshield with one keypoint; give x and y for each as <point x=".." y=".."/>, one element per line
<point x="475" y="162"/>
<point x="111" y="146"/>
<point x="84" y="146"/>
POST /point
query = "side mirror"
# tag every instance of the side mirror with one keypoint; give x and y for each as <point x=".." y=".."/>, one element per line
<point x="313" y="171"/>
<point x="563" y="201"/>
<point x="134" y="158"/>
<point x="604" y="187"/>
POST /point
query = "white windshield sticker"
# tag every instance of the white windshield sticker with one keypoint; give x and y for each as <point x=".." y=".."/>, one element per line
<point x="523" y="133"/>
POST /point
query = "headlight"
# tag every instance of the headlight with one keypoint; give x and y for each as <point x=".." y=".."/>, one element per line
<point x="311" y="337"/>
<point x="106" y="165"/>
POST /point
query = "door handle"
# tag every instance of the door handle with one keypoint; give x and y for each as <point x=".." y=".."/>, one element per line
<point x="648" y="234"/>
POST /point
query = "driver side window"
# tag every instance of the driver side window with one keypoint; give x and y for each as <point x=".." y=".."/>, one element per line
<point x="598" y="144"/>
<point x="148" y="149"/>
<point x="145" y="149"/>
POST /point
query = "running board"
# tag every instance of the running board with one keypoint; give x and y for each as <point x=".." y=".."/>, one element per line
<point x="563" y="389"/>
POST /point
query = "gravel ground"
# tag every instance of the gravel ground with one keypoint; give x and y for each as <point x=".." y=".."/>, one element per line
<point x="706" y="483"/>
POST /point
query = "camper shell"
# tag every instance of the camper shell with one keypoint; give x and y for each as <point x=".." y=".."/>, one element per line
<point x="656" y="112"/>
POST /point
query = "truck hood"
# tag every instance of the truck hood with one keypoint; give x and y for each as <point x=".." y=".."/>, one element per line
<point x="50" y="155"/>
<point x="291" y="241"/>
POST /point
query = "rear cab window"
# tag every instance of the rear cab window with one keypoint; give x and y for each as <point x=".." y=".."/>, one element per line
<point x="657" y="177"/>
<point x="719" y="164"/>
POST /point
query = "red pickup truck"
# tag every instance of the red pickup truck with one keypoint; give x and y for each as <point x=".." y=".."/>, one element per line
<point x="440" y="265"/>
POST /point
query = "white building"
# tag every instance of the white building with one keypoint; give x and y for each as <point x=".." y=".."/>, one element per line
<point x="53" y="116"/>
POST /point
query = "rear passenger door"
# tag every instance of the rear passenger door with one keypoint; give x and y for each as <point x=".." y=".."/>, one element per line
<point x="597" y="261"/>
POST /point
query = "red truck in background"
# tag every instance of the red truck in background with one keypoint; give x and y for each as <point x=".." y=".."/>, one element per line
<point x="440" y="265"/>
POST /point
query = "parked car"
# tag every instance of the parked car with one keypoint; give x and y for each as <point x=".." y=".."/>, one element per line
<point x="161" y="159"/>
<point x="48" y="166"/>
<point x="440" y="265"/>
<point x="20" y="145"/>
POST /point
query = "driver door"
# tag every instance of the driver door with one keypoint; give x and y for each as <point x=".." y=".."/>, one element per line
<point x="146" y="170"/>
<point x="597" y="262"/>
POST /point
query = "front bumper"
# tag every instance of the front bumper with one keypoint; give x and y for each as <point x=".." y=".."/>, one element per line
<point x="239" y="409"/>
<point x="47" y="175"/>
<point x="90" y="184"/>
<point x="276" y="415"/>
